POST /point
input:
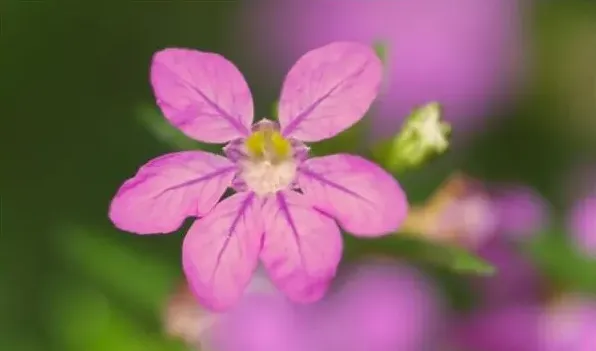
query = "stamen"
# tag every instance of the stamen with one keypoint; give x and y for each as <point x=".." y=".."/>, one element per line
<point x="268" y="144"/>
<point x="271" y="160"/>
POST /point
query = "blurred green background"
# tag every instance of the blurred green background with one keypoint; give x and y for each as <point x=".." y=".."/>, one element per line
<point x="74" y="86"/>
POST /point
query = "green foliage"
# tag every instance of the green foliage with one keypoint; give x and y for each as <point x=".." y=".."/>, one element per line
<point x="563" y="263"/>
<point x="152" y="119"/>
<point x="119" y="285"/>
<point x="420" y="251"/>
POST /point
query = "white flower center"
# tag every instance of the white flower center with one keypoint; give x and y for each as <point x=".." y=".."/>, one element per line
<point x="264" y="177"/>
<point x="270" y="165"/>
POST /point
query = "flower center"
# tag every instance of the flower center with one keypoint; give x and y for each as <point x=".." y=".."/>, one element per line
<point x="270" y="165"/>
<point x="268" y="145"/>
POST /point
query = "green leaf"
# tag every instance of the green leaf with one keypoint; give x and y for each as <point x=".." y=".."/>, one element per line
<point x="75" y="314"/>
<point x="381" y="49"/>
<point x="466" y="262"/>
<point x="81" y="318"/>
<point x="131" y="274"/>
<point x="163" y="131"/>
<point x="420" y="251"/>
<point x="561" y="262"/>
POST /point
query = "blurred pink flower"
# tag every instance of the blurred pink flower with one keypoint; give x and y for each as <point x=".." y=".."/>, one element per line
<point x="517" y="280"/>
<point x="463" y="53"/>
<point x="380" y="306"/>
<point x="263" y="320"/>
<point x="580" y="194"/>
<point x="459" y="213"/>
<point x="565" y="324"/>
<point x="472" y="214"/>
<point x="521" y="211"/>
<point x="371" y="307"/>
<point x="506" y="328"/>
<point x="570" y="325"/>
<point x="467" y="212"/>
<point x="582" y="225"/>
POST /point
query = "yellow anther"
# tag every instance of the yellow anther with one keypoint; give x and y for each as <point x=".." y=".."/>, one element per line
<point x="255" y="144"/>
<point x="268" y="144"/>
<point x="280" y="145"/>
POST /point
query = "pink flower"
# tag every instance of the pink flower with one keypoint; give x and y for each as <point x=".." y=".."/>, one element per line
<point x="580" y="195"/>
<point x="507" y="328"/>
<point x="582" y="224"/>
<point x="286" y="205"/>
<point x="375" y="306"/>
<point x="570" y="324"/>
<point x="521" y="211"/>
<point x="470" y="213"/>
<point x="379" y="306"/>
<point x="566" y="324"/>
<point x="262" y="320"/>
<point x="517" y="281"/>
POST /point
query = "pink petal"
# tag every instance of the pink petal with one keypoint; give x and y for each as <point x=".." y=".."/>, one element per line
<point x="302" y="247"/>
<point x="203" y="94"/>
<point x="328" y="90"/>
<point x="365" y="200"/>
<point x="220" y="251"/>
<point x="168" y="189"/>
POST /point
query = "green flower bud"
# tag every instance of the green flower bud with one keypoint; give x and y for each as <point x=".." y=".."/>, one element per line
<point x="423" y="136"/>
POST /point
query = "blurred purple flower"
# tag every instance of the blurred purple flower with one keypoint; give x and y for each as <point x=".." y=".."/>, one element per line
<point x="521" y="212"/>
<point x="463" y="53"/>
<point x="460" y="212"/>
<point x="582" y="225"/>
<point x="471" y="215"/>
<point x="468" y="213"/>
<point x="570" y="325"/>
<point x="517" y="281"/>
<point x="263" y="320"/>
<point x="512" y="328"/>
<point x="580" y="194"/>
<point x="565" y="324"/>
<point x="379" y="307"/>
<point x="371" y="307"/>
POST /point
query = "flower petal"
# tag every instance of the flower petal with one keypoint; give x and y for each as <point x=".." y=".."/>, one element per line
<point x="302" y="247"/>
<point x="328" y="90"/>
<point x="203" y="94"/>
<point x="365" y="200"/>
<point x="168" y="189"/>
<point x="220" y="251"/>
